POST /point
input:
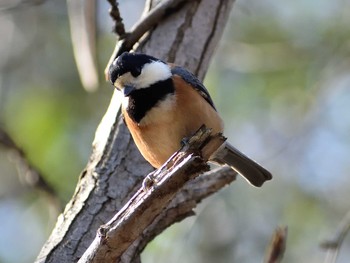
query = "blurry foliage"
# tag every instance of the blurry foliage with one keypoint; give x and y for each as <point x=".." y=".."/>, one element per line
<point x="280" y="79"/>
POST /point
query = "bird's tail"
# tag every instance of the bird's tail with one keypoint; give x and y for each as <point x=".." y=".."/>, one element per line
<point x="249" y="169"/>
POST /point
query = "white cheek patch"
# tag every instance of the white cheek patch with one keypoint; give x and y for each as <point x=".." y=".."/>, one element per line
<point x="152" y="73"/>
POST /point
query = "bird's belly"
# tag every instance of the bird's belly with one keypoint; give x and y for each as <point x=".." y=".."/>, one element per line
<point x="157" y="143"/>
<point x="159" y="140"/>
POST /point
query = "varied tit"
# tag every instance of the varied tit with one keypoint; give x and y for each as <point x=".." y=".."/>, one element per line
<point x="163" y="104"/>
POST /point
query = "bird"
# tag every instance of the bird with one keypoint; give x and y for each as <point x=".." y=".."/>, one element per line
<point x="164" y="103"/>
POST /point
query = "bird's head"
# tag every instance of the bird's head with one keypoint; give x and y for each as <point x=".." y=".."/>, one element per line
<point x="133" y="71"/>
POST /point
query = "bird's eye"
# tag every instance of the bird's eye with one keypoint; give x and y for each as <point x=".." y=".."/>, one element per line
<point x="135" y="72"/>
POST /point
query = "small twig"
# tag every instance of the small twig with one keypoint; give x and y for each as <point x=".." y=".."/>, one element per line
<point x="277" y="246"/>
<point x="118" y="28"/>
<point x="115" y="237"/>
<point x="332" y="245"/>
<point x="28" y="171"/>
<point x="154" y="17"/>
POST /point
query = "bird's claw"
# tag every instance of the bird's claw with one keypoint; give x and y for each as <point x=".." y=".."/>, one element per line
<point x="149" y="181"/>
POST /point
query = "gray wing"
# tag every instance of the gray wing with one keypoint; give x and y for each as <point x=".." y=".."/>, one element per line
<point x="194" y="82"/>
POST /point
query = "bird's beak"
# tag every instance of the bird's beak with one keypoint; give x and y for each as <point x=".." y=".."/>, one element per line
<point x="128" y="90"/>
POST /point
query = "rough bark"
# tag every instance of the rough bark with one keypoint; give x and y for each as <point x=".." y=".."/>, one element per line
<point x="187" y="36"/>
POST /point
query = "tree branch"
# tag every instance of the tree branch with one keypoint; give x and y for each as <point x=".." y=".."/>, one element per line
<point x="332" y="245"/>
<point x="181" y="207"/>
<point x="129" y="223"/>
<point x="114" y="12"/>
<point x="27" y="171"/>
<point x="277" y="246"/>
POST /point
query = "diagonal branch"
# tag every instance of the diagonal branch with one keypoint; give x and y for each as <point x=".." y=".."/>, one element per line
<point x="31" y="175"/>
<point x="115" y="237"/>
<point x="332" y="245"/>
<point x="181" y="206"/>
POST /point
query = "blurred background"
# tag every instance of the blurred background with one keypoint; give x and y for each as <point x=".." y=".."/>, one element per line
<point x="281" y="80"/>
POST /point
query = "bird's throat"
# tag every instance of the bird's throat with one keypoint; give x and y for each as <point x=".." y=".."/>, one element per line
<point x="142" y="101"/>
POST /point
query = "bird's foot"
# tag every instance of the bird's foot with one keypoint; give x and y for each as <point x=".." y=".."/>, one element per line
<point x="149" y="181"/>
<point x="184" y="141"/>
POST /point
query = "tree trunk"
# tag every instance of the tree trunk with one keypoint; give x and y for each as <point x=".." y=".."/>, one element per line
<point x="187" y="36"/>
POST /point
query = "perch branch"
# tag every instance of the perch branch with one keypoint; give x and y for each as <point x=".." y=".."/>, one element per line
<point x="182" y="206"/>
<point x="332" y="245"/>
<point x="160" y="188"/>
<point x="155" y="16"/>
<point x="277" y="246"/>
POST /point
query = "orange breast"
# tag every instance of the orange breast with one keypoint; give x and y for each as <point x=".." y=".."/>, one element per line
<point x="160" y="135"/>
